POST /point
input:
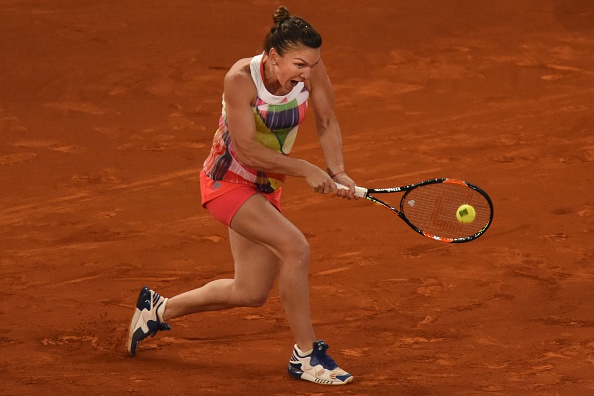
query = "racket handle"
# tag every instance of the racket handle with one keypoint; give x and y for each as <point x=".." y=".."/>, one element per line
<point x="359" y="191"/>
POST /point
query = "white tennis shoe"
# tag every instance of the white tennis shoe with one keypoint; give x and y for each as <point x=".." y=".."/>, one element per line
<point x="317" y="366"/>
<point x="145" y="321"/>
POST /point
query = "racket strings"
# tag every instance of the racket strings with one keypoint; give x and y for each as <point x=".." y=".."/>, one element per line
<point x="432" y="208"/>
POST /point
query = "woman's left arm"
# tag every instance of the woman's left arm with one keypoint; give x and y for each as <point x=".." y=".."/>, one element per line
<point x="329" y="134"/>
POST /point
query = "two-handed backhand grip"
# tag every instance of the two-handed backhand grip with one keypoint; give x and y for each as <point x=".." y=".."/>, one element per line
<point x="359" y="191"/>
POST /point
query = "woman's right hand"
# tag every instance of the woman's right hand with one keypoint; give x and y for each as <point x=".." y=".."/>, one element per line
<point x="319" y="181"/>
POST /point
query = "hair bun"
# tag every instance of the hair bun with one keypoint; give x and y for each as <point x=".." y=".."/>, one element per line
<point x="290" y="31"/>
<point x="281" y="15"/>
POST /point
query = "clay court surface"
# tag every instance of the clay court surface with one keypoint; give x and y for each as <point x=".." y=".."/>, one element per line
<point x="107" y="110"/>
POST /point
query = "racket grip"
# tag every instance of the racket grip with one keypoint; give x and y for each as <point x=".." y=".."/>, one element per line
<point x="359" y="191"/>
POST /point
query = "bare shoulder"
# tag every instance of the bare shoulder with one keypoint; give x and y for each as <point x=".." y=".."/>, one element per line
<point x="239" y="72"/>
<point x="239" y="85"/>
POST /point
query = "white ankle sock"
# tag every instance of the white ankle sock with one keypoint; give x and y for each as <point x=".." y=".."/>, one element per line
<point x="301" y="353"/>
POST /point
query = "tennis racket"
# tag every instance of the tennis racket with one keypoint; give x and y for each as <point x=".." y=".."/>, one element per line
<point x="430" y="207"/>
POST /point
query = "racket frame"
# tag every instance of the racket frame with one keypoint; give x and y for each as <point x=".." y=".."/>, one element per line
<point x="362" y="192"/>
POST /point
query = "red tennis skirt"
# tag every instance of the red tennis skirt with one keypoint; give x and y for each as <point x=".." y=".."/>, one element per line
<point x="223" y="199"/>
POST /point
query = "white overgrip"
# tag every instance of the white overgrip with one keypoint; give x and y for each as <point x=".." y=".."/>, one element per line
<point x="359" y="191"/>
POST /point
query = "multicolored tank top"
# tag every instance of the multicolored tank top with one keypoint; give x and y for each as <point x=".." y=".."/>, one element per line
<point x="277" y="119"/>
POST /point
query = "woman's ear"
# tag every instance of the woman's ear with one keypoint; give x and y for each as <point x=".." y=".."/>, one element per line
<point x="273" y="55"/>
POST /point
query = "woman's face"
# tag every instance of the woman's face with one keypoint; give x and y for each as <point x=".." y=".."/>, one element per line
<point x="295" y="65"/>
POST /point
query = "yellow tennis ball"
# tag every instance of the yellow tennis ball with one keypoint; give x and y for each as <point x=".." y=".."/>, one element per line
<point x="465" y="214"/>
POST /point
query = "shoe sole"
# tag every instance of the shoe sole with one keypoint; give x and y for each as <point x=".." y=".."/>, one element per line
<point x="132" y="339"/>
<point x="132" y="343"/>
<point x="298" y="374"/>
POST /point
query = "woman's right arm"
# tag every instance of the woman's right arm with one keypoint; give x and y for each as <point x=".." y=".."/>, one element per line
<point x="239" y="95"/>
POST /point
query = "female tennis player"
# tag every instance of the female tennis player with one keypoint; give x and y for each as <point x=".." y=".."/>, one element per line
<point x="265" y="99"/>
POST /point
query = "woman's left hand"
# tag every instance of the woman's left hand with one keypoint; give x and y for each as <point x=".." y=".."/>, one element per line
<point x="345" y="180"/>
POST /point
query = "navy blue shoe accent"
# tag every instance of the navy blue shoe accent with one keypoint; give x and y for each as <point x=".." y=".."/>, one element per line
<point x="145" y="321"/>
<point x="317" y="366"/>
<point x="319" y="356"/>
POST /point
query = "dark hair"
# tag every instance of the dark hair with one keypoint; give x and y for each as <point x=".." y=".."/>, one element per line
<point x="290" y="31"/>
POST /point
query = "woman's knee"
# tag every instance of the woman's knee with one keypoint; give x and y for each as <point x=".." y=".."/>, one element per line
<point x="303" y="252"/>
<point x="253" y="299"/>
<point x="250" y="294"/>
<point x="297" y="253"/>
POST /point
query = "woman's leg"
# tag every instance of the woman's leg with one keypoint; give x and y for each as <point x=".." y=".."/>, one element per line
<point x="249" y="287"/>
<point x="256" y="267"/>
<point x="260" y="222"/>
<point x="259" y="236"/>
